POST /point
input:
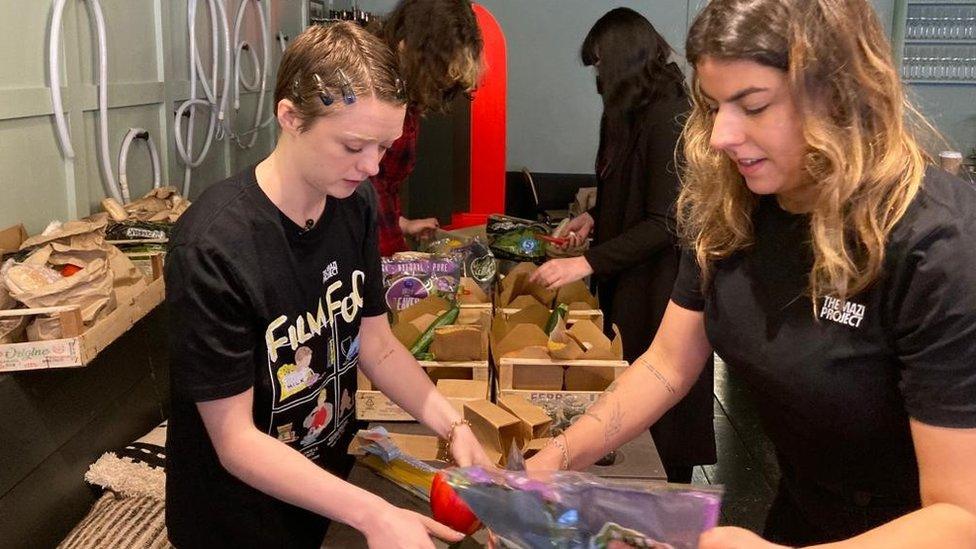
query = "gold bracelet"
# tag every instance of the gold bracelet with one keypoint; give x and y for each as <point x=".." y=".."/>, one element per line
<point x="563" y="449"/>
<point x="450" y="433"/>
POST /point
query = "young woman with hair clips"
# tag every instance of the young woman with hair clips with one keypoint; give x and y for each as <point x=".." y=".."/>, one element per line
<point x="439" y="46"/>
<point x="275" y="300"/>
<point x="635" y="255"/>
<point x="832" y="266"/>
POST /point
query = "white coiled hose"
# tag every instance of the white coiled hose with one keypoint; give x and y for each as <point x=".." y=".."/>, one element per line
<point x="130" y="136"/>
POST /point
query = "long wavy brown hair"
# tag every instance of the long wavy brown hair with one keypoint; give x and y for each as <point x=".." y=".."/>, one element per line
<point x="439" y="45"/>
<point x="863" y="156"/>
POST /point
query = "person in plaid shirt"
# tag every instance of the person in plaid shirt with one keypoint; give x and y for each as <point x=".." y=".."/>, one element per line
<point x="439" y="47"/>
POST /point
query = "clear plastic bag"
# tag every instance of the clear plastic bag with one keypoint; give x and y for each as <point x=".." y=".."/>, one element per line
<point x="580" y="511"/>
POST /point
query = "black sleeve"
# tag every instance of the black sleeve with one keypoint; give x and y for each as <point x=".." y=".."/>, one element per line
<point x="211" y="321"/>
<point x="656" y="231"/>
<point x="934" y="327"/>
<point x="687" y="287"/>
<point x="374" y="302"/>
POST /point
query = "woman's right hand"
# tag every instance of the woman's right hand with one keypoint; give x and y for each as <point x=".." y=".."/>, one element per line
<point x="578" y="229"/>
<point x="547" y="459"/>
<point x="398" y="528"/>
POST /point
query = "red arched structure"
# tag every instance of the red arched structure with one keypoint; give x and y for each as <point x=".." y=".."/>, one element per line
<point x="488" y="112"/>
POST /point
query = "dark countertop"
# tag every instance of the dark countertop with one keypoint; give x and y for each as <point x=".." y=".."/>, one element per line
<point x="638" y="459"/>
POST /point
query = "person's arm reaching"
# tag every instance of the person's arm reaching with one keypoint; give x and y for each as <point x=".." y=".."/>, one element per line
<point x="653" y="384"/>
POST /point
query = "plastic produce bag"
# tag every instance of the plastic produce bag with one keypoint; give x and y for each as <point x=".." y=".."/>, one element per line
<point x="411" y="277"/>
<point x="473" y="254"/>
<point x="515" y="239"/>
<point x="580" y="511"/>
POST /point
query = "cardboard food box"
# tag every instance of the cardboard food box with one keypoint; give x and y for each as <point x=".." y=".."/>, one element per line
<point x="533" y="446"/>
<point x="522" y="335"/>
<point x="460" y="355"/>
<point x="494" y="428"/>
<point x="535" y="422"/>
<point x="461" y="391"/>
<point x="470" y="294"/>
<point x="515" y="290"/>
<point x="582" y="304"/>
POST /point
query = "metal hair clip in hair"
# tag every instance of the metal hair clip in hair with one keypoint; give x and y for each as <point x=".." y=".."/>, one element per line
<point x="326" y="98"/>
<point x="348" y="95"/>
<point x="295" y="90"/>
<point x="401" y="89"/>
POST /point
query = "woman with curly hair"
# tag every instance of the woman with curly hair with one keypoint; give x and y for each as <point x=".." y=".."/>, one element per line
<point x="832" y="266"/>
<point x="439" y="48"/>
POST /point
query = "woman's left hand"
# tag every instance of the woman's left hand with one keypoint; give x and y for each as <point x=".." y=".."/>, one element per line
<point x="466" y="450"/>
<point x="421" y="228"/>
<point x="730" y="537"/>
<point x="560" y="272"/>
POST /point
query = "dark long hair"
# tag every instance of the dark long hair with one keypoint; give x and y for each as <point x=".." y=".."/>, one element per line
<point x="633" y="73"/>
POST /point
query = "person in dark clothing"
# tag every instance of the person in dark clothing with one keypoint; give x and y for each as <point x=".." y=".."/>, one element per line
<point x="276" y="304"/>
<point x="831" y="265"/>
<point x="635" y="254"/>
<point x="439" y="45"/>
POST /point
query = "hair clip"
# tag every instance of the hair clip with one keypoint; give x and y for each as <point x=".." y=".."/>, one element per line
<point x="326" y="98"/>
<point x="295" y="91"/>
<point x="348" y="95"/>
<point x="401" y="89"/>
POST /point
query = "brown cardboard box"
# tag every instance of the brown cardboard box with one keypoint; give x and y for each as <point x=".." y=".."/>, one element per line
<point x="461" y="391"/>
<point x="533" y="447"/>
<point x="522" y="335"/>
<point x="516" y="284"/>
<point x="495" y="428"/>
<point x="535" y="421"/>
<point x="511" y="339"/>
<point x="470" y="293"/>
<point x="410" y="323"/>
<point x="547" y="375"/>
<point x="11" y="238"/>
<point x="577" y="296"/>
<point x="465" y="341"/>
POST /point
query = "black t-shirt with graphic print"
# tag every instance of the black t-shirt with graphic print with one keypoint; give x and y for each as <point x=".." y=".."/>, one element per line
<point x="835" y="393"/>
<point x="257" y="302"/>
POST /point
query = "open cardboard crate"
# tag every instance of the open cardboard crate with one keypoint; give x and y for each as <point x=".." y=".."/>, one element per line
<point x="572" y="316"/>
<point x="373" y="405"/>
<point x="79" y="346"/>
<point x="459" y="380"/>
<point x="539" y="380"/>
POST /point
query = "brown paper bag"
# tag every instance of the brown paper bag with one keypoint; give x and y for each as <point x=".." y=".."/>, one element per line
<point x="90" y="289"/>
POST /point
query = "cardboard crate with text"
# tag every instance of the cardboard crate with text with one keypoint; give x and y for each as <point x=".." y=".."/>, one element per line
<point x="76" y="314"/>
<point x="456" y="359"/>
<point x="515" y="292"/>
<point x="578" y="360"/>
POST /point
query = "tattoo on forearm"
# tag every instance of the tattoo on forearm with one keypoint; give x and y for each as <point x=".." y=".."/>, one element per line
<point x="614" y="425"/>
<point x="386" y="355"/>
<point x="660" y="377"/>
<point x="600" y="403"/>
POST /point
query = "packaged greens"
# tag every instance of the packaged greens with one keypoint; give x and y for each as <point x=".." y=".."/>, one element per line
<point x="515" y="239"/>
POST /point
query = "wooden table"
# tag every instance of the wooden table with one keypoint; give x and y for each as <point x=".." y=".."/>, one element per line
<point x="636" y="460"/>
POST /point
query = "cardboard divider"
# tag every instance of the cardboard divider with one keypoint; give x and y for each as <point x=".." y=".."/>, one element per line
<point x="558" y="375"/>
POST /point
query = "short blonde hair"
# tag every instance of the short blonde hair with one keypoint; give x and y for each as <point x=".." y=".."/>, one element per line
<point x="327" y="60"/>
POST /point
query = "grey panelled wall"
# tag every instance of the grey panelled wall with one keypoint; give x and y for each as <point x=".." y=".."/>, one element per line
<point x="148" y="79"/>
